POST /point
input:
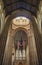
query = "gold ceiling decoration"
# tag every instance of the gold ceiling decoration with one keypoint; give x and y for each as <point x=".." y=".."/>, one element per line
<point x="21" y="21"/>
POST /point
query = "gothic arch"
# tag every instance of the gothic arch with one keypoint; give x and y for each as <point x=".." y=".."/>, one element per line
<point x="30" y="16"/>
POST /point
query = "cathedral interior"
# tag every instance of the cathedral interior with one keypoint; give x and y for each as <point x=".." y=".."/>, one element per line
<point x="20" y="32"/>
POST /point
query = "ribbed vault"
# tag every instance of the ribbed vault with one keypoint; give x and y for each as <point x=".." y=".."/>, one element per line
<point x="29" y="5"/>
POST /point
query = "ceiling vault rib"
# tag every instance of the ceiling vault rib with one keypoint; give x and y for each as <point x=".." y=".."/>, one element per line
<point x="21" y="8"/>
<point x="29" y="5"/>
<point x="19" y="2"/>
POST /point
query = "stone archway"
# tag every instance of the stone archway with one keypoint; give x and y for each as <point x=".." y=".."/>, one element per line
<point x="28" y="15"/>
<point x="32" y="58"/>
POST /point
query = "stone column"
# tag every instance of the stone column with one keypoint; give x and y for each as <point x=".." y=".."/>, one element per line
<point x="8" y="50"/>
<point x="27" y="55"/>
<point x="13" y="54"/>
<point x="32" y="48"/>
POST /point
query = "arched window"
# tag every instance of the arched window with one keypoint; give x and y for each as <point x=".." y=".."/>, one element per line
<point x="20" y="45"/>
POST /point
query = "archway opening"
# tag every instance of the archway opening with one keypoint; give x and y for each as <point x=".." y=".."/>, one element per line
<point x="20" y="43"/>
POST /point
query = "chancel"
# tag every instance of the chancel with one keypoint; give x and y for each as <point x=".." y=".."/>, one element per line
<point x="20" y="32"/>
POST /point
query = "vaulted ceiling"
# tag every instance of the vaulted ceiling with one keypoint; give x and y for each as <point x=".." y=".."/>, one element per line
<point x="29" y="5"/>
